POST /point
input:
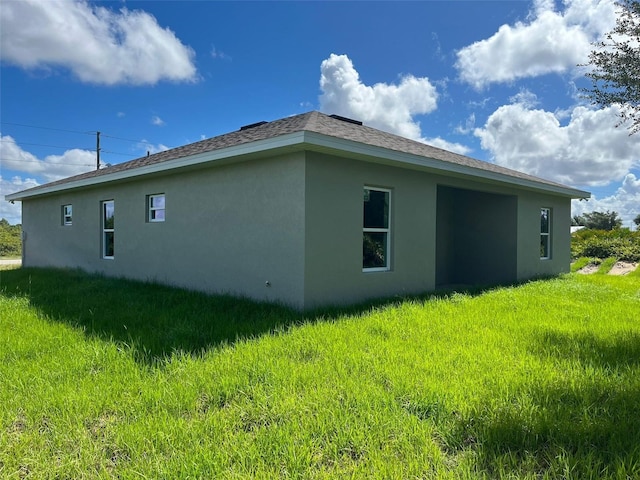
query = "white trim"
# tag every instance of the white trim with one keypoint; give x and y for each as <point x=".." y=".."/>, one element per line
<point x="300" y="141"/>
<point x="67" y="215"/>
<point x="151" y="208"/>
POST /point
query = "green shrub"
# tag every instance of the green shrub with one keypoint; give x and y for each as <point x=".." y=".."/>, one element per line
<point x="620" y="243"/>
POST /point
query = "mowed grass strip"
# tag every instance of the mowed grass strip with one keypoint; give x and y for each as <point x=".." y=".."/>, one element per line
<point x="105" y="378"/>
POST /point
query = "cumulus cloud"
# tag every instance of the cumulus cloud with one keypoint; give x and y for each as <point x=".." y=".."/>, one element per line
<point x="97" y="44"/>
<point x="625" y="201"/>
<point x="388" y="107"/>
<point x="156" y="120"/>
<point x="12" y="212"/>
<point x="52" y="167"/>
<point x="548" y="42"/>
<point x="587" y="151"/>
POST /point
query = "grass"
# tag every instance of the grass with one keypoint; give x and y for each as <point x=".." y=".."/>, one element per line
<point x="103" y="378"/>
<point x="606" y="265"/>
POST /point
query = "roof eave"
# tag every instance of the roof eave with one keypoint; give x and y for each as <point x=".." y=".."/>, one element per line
<point x="301" y="139"/>
<point x="258" y="146"/>
<point x="394" y="157"/>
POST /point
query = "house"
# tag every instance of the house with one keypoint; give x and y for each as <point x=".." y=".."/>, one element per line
<point x="308" y="210"/>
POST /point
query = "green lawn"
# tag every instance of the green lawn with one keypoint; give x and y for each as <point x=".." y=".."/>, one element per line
<point x="103" y="378"/>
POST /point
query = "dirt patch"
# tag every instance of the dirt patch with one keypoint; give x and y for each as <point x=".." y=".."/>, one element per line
<point x="589" y="269"/>
<point x="622" y="268"/>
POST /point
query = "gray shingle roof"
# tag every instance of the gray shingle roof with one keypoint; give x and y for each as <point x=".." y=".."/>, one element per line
<point x="308" y="122"/>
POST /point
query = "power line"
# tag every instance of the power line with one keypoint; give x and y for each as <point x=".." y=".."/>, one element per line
<point x="89" y="132"/>
<point x="22" y="160"/>
<point x="48" y="128"/>
<point x="118" y="153"/>
<point x="44" y="145"/>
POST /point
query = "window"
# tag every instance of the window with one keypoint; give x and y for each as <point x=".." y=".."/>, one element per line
<point x="67" y="215"/>
<point x="155" y="207"/>
<point x="545" y="233"/>
<point x="375" y="231"/>
<point x="108" y="210"/>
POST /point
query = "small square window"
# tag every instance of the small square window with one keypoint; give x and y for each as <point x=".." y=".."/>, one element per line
<point x="67" y="215"/>
<point x="156" y="207"/>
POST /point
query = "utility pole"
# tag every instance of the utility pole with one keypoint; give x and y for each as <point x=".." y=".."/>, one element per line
<point x="97" y="150"/>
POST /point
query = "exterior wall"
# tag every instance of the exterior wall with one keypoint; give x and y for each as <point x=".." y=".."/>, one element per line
<point x="228" y="229"/>
<point x="295" y="221"/>
<point x="334" y="217"/>
<point x="488" y="233"/>
<point x="529" y="263"/>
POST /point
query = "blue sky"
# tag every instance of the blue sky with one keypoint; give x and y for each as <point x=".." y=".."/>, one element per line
<point x="495" y="80"/>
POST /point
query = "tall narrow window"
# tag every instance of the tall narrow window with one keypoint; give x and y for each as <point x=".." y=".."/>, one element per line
<point x="376" y="231"/>
<point x="545" y="233"/>
<point x="155" y="207"/>
<point x="67" y="215"/>
<point x="108" y="218"/>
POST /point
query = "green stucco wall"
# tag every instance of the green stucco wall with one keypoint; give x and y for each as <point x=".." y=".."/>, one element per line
<point x="295" y="221"/>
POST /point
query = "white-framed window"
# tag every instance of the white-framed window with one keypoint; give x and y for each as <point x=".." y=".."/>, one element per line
<point x="155" y="207"/>
<point x="108" y="230"/>
<point x="376" y="231"/>
<point x="545" y="233"/>
<point x="67" y="215"/>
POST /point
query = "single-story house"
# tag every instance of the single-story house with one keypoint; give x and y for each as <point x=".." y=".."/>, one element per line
<point x="308" y="210"/>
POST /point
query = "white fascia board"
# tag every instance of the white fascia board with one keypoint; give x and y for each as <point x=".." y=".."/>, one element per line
<point x="287" y="140"/>
<point x="408" y="159"/>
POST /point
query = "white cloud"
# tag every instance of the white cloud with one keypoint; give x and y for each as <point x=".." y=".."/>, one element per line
<point x="52" y="167"/>
<point x="156" y="120"/>
<point x="469" y="125"/>
<point x="384" y="106"/>
<point x="550" y="42"/>
<point x="12" y="212"/>
<point x="150" y="148"/>
<point x="97" y="44"/>
<point x="218" y="54"/>
<point x="625" y="201"/>
<point x="587" y="151"/>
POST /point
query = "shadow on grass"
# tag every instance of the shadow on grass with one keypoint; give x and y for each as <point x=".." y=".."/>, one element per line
<point x="586" y="427"/>
<point x="157" y="320"/>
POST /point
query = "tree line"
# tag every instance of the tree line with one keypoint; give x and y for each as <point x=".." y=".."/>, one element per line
<point x="601" y="220"/>
<point x="10" y="239"/>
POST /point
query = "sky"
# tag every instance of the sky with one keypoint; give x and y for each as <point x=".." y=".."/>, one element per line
<point x="499" y="81"/>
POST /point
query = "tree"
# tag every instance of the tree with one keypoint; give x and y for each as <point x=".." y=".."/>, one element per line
<point x="616" y="61"/>
<point x="637" y="221"/>
<point x="10" y="239"/>
<point x="600" y="220"/>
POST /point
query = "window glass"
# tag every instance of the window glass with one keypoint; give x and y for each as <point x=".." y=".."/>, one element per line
<point x="67" y="215"/>
<point x="108" y="232"/>
<point x="375" y="231"/>
<point x="374" y="250"/>
<point x="376" y="209"/>
<point x="156" y="207"/>
<point x="545" y="233"/>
